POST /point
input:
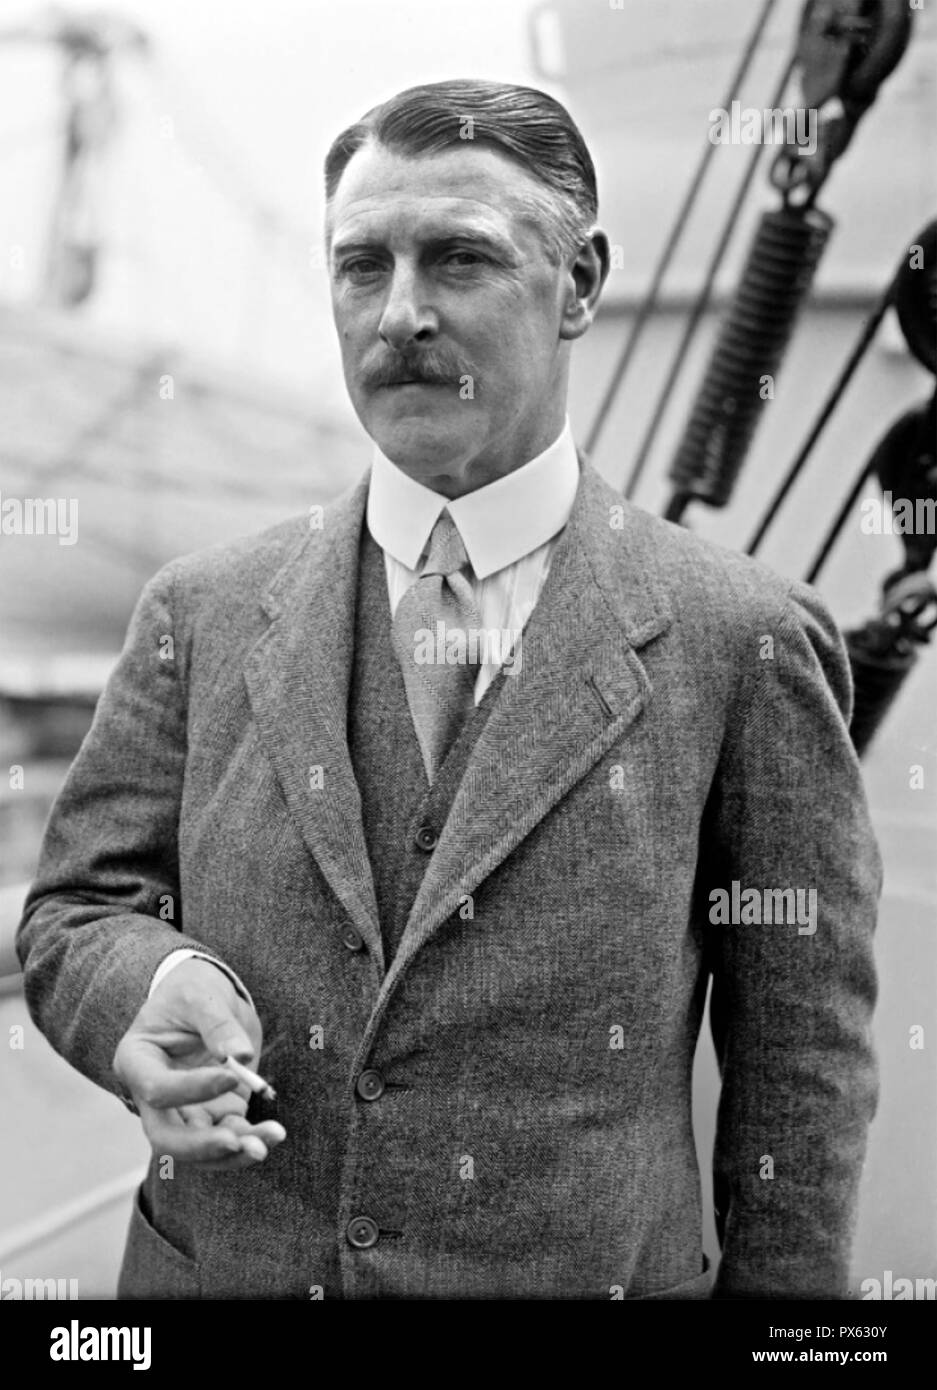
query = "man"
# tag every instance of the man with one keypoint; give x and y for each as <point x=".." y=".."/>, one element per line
<point x="459" y="899"/>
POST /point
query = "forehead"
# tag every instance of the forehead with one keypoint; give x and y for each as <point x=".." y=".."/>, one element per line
<point x="382" y="192"/>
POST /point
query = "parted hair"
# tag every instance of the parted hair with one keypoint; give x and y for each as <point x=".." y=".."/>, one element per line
<point x="523" y="123"/>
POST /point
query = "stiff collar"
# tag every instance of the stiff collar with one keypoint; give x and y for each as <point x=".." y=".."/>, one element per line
<point x="499" y="523"/>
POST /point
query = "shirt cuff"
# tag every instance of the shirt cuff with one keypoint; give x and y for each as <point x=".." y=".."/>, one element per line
<point x="186" y="953"/>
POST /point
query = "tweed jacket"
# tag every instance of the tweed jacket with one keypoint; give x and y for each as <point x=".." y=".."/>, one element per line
<point x="676" y="736"/>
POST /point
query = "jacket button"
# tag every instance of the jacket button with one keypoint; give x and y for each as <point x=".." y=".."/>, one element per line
<point x="362" y="1232"/>
<point x="352" y="939"/>
<point x="370" y="1085"/>
<point x="426" y="838"/>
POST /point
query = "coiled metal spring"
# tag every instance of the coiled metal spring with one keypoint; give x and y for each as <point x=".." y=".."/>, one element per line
<point x="777" y="276"/>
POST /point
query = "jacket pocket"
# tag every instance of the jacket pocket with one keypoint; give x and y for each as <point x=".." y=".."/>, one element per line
<point x="152" y="1268"/>
<point x="700" y="1286"/>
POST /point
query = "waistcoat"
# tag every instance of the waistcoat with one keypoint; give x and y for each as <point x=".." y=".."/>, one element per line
<point x="403" y="815"/>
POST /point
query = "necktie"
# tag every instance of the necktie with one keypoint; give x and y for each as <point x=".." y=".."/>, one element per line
<point x="430" y="640"/>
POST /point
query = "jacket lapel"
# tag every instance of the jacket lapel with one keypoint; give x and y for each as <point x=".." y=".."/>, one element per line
<point x="579" y="686"/>
<point x="297" y="677"/>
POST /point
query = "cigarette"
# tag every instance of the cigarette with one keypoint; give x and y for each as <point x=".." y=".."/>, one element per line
<point x="250" y="1078"/>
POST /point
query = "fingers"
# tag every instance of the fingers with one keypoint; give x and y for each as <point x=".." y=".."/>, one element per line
<point x="144" y="1068"/>
<point x="256" y="1140"/>
<point x="231" y="1103"/>
<point x="194" y="1135"/>
<point x="171" y="1137"/>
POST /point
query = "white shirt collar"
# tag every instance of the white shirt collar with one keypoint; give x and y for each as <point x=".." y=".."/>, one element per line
<point x="499" y="523"/>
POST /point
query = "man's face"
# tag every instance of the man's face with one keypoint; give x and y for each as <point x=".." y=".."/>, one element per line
<point x="449" y="312"/>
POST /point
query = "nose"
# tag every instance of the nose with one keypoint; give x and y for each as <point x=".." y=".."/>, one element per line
<point x="407" y="317"/>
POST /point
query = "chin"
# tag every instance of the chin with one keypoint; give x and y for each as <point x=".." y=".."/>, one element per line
<point x="420" y="444"/>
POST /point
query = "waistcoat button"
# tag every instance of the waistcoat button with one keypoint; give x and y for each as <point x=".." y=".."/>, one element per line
<point x="426" y="838"/>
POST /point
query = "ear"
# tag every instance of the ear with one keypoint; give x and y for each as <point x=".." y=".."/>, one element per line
<point x="587" y="274"/>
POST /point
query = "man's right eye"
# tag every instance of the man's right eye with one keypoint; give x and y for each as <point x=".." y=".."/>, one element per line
<point x="360" y="268"/>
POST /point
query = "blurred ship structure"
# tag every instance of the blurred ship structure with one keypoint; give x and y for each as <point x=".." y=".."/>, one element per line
<point x="164" y="449"/>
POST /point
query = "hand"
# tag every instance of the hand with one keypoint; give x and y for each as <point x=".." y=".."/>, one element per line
<point x="193" y="1109"/>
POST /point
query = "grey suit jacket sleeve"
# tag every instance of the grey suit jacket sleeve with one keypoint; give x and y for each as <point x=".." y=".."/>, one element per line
<point x="104" y="908"/>
<point x="791" y="1010"/>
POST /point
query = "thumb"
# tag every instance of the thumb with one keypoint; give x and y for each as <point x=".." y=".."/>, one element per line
<point x="220" y="1030"/>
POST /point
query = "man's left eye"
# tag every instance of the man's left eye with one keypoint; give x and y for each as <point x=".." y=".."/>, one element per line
<point x="463" y="258"/>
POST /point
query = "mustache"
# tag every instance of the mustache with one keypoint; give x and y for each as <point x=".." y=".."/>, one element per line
<point x="431" y="366"/>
